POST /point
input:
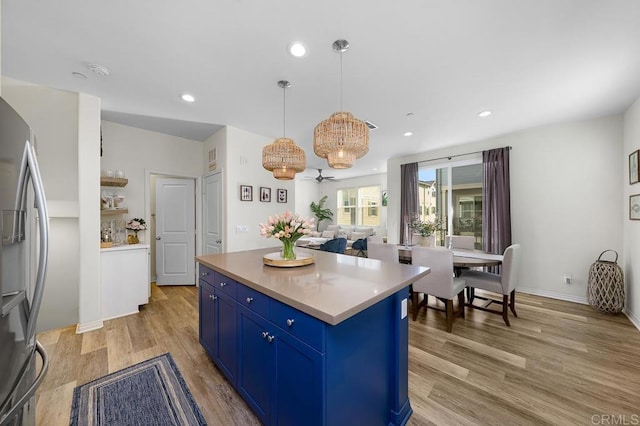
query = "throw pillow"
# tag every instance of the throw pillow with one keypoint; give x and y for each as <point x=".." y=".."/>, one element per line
<point x="327" y="234"/>
<point x="358" y="235"/>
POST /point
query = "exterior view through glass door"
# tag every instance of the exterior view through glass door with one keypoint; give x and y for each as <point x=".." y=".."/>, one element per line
<point x="452" y="194"/>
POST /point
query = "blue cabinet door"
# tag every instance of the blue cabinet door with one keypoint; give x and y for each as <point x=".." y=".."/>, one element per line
<point x="256" y="358"/>
<point x="299" y="383"/>
<point x="226" y="335"/>
<point x="207" y="323"/>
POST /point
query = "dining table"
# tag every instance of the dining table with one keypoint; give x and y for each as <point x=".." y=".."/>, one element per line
<point x="462" y="259"/>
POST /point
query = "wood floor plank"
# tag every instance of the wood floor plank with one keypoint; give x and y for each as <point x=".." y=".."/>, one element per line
<point x="558" y="363"/>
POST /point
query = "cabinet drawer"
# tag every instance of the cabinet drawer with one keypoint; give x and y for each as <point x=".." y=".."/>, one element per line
<point x="306" y="328"/>
<point x="206" y="273"/>
<point x="254" y="300"/>
<point x="224" y="284"/>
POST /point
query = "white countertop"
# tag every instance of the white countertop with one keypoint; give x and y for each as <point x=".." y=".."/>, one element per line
<point x="332" y="289"/>
<point x="125" y="247"/>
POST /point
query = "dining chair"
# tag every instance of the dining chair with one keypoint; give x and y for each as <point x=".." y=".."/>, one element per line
<point x="461" y="241"/>
<point x="383" y="251"/>
<point x="439" y="283"/>
<point x="504" y="284"/>
<point x="361" y="247"/>
<point x="336" y="245"/>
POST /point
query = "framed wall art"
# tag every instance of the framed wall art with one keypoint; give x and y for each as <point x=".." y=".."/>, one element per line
<point x="265" y="194"/>
<point x="633" y="167"/>
<point x="246" y="193"/>
<point x="634" y="207"/>
<point x="282" y="195"/>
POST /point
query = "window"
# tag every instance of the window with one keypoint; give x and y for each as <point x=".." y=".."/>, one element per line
<point x="359" y="206"/>
<point x="459" y="209"/>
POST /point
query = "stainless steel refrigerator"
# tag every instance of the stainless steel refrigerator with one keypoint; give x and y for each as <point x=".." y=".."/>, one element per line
<point x="23" y="265"/>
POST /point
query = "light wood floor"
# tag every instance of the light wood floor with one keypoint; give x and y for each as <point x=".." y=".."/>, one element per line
<point x="558" y="363"/>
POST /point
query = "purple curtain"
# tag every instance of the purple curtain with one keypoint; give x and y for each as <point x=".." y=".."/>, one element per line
<point x="408" y="199"/>
<point x="496" y="211"/>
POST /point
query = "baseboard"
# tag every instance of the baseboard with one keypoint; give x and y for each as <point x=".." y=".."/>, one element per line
<point x="554" y="295"/>
<point x="94" y="325"/>
<point x="634" y="319"/>
<point x="582" y="300"/>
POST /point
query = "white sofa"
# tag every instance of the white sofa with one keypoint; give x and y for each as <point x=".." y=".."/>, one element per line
<point x="351" y="233"/>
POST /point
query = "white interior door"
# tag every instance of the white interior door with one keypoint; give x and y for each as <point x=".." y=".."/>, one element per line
<point x="213" y="214"/>
<point x="175" y="231"/>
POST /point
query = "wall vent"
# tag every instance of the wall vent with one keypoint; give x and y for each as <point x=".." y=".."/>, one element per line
<point x="370" y="125"/>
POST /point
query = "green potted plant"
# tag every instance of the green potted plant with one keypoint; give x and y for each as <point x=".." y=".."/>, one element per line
<point x="424" y="229"/>
<point x="321" y="212"/>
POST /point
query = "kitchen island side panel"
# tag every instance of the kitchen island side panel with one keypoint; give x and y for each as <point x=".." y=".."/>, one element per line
<point x="364" y="353"/>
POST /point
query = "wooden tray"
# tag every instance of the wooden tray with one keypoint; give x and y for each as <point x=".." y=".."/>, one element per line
<point x="275" y="259"/>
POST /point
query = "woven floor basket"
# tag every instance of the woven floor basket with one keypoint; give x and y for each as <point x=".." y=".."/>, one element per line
<point x="606" y="285"/>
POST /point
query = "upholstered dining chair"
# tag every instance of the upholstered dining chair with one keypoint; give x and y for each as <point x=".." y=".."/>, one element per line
<point x="361" y="247"/>
<point x="383" y="251"/>
<point x="439" y="283"/>
<point x="461" y="241"/>
<point x="504" y="284"/>
<point x="336" y="245"/>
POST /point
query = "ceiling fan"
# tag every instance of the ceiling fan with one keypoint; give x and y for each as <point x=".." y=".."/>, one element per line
<point x="320" y="178"/>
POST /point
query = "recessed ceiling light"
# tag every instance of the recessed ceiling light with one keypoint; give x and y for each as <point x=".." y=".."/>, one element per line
<point x="297" y="49"/>
<point x="484" y="113"/>
<point x="408" y="133"/>
<point x="187" y="97"/>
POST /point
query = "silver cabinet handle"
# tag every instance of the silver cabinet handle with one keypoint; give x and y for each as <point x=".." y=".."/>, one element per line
<point x="223" y="284"/>
<point x="158" y="238"/>
<point x="213" y="297"/>
<point x="270" y="339"/>
<point x="290" y="322"/>
<point x="218" y="241"/>
<point x="204" y="274"/>
<point x="249" y="299"/>
<point x="265" y="334"/>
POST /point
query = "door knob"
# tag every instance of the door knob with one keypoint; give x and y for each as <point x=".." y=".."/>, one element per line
<point x="158" y="238"/>
<point x="218" y="241"/>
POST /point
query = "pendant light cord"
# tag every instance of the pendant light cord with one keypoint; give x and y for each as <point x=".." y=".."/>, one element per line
<point x="341" y="80"/>
<point x="284" y="112"/>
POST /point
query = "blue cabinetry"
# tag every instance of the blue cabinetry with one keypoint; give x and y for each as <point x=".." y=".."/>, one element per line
<point x="294" y="369"/>
<point x="218" y="321"/>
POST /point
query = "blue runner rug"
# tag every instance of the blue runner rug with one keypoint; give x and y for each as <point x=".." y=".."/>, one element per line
<point x="152" y="392"/>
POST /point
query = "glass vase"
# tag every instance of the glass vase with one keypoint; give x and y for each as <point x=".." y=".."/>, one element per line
<point x="133" y="238"/>
<point x="288" y="250"/>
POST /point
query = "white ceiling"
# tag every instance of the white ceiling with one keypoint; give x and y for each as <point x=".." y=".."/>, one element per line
<point x="532" y="62"/>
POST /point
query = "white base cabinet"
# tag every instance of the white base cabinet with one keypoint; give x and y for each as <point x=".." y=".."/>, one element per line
<point x="125" y="279"/>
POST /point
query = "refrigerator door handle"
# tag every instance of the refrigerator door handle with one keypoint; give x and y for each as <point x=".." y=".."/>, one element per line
<point x="32" y="389"/>
<point x="29" y="169"/>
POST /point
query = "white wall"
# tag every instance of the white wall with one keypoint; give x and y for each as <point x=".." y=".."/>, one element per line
<point x="565" y="199"/>
<point x="330" y="189"/>
<point x="244" y="167"/>
<point x="631" y="227"/>
<point x="144" y="155"/>
<point x="138" y="151"/>
<point x="307" y="191"/>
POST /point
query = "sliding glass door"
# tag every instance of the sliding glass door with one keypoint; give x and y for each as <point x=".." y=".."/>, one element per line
<point x="452" y="195"/>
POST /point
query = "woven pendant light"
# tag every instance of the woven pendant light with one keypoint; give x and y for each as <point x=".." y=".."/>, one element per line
<point x="341" y="138"/>
<point x="283" y="157"/>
